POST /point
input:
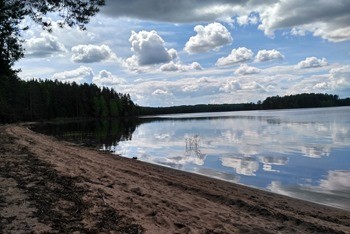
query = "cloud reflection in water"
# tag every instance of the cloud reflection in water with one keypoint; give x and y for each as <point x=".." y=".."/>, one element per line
<point x="266" y="149"/>
<point x="334" y="190"/>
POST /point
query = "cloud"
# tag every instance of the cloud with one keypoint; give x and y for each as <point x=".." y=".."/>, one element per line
<point x="340" y="72"/>
<point x="44" y="46"/>
<point x="267" y="55"/>
<point x="231" y="86"/>
<point x="210" y="37"/>
<point x="80" y="75"/>
<point x="174" y="67"/>
<point x="329" y="20"/>
<point x="340" y="77"/>
<point x="181" y="11"/>
<point x="254" y="86"/>
<point x="311" y="62"/>
<point x="92" y="53"/>
<point x="217" y="85"/>
<point x="149" y="49"/>
<point x="244" y="69"/>
<point x="240" y="55"/>
<point x="247" y="19"/>
<point x="322" y="85"/>
<point x="106" y="78"/>
<point x="173" y="91"/>
<point x="161" y="92"/>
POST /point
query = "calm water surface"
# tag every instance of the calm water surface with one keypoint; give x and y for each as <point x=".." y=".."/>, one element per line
<point x="302" y="153"/>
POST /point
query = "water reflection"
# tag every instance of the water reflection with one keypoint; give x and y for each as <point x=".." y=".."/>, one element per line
<point x="282" y="151"/>
<point x="217" y="174"/>
<point x="243" y="166"/>
<point x="193" y="147"/>
<point x="334" y="190"/>
<point x="268" y="162"/>
<point x="300" y="153"/>
<point x="315" y="151"/>
<point x="92" y="133"/>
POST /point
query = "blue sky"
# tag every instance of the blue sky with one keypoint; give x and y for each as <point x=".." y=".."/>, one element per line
<point x="189" y="51"/>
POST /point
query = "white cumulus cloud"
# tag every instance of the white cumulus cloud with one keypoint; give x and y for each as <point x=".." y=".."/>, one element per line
<point x="44" y="46"/>
<point x="210" y="37"/>
<point x="173" y="67"/>
<point x="244" y="69"/>
<point x="267" y="55"/>
<point x="161" y="92"/>
<point x="149" y="49"/>
<point x="340" y="77"/>
<point x="340" y="72"/>
<point x="92" y="53"/>
<point x="311" y="62"/>
<point x="239" y="55"/>
<point x="231" y="86"/>
<point x="80" y="75"/>
<point x="106" y="78"/>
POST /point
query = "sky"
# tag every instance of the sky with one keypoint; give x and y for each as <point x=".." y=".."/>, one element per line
<point x="185" y="52"/>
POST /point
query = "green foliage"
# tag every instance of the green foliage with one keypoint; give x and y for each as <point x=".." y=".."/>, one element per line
<point x="72" y="12"/>
<point x="304" y="100"/>
<point x="100" y="107"/>
<point x="12" y="12"/>
<point x="196" y="108"/>
<point x="114" y="107"/>
<point x="42" y="100"/>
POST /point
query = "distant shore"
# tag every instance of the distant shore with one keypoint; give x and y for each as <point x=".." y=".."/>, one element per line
<point x="48" y="185"/>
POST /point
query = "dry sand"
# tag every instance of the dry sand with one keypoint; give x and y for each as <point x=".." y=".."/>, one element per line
<point x="48" y="185"/>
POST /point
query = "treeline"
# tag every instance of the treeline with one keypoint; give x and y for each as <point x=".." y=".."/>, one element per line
<point x="43" y="100"/>
<point x="305" y="100"/>
<point x="196" y="108"/>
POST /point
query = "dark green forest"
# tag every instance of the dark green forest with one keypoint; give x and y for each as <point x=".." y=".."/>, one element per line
<point x="196" y="108"/>
<point x="305" y="100"/>
<point x="43" y="100"/>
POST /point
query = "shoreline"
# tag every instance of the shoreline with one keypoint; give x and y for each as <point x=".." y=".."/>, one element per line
<point x="117" y="194"/>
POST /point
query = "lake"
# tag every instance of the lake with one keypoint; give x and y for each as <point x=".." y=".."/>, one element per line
<point x="301" y="153"/>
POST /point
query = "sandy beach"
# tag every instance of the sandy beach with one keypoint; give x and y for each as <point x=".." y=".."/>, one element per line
<point x="54" y="186"/>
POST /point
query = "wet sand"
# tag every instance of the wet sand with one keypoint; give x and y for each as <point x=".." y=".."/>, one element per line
<point x="48" y="185"/>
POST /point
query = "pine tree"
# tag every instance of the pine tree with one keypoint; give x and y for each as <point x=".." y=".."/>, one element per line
<point x="12" y="12"/>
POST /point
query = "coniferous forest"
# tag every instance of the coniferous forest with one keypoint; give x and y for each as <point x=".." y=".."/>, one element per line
<point x="46" y="99"/>
<point x="304" y="100"/>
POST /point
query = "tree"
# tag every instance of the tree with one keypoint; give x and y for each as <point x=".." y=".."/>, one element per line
<point x="12" y="12"/>
<point x="10" y="43"/>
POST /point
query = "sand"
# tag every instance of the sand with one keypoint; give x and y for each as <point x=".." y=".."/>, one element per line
<point x="47" y="185"/>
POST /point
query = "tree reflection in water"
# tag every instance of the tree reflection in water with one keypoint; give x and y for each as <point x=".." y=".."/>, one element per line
<point x="107" y="132"/>
<point x="193" y="147"/>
